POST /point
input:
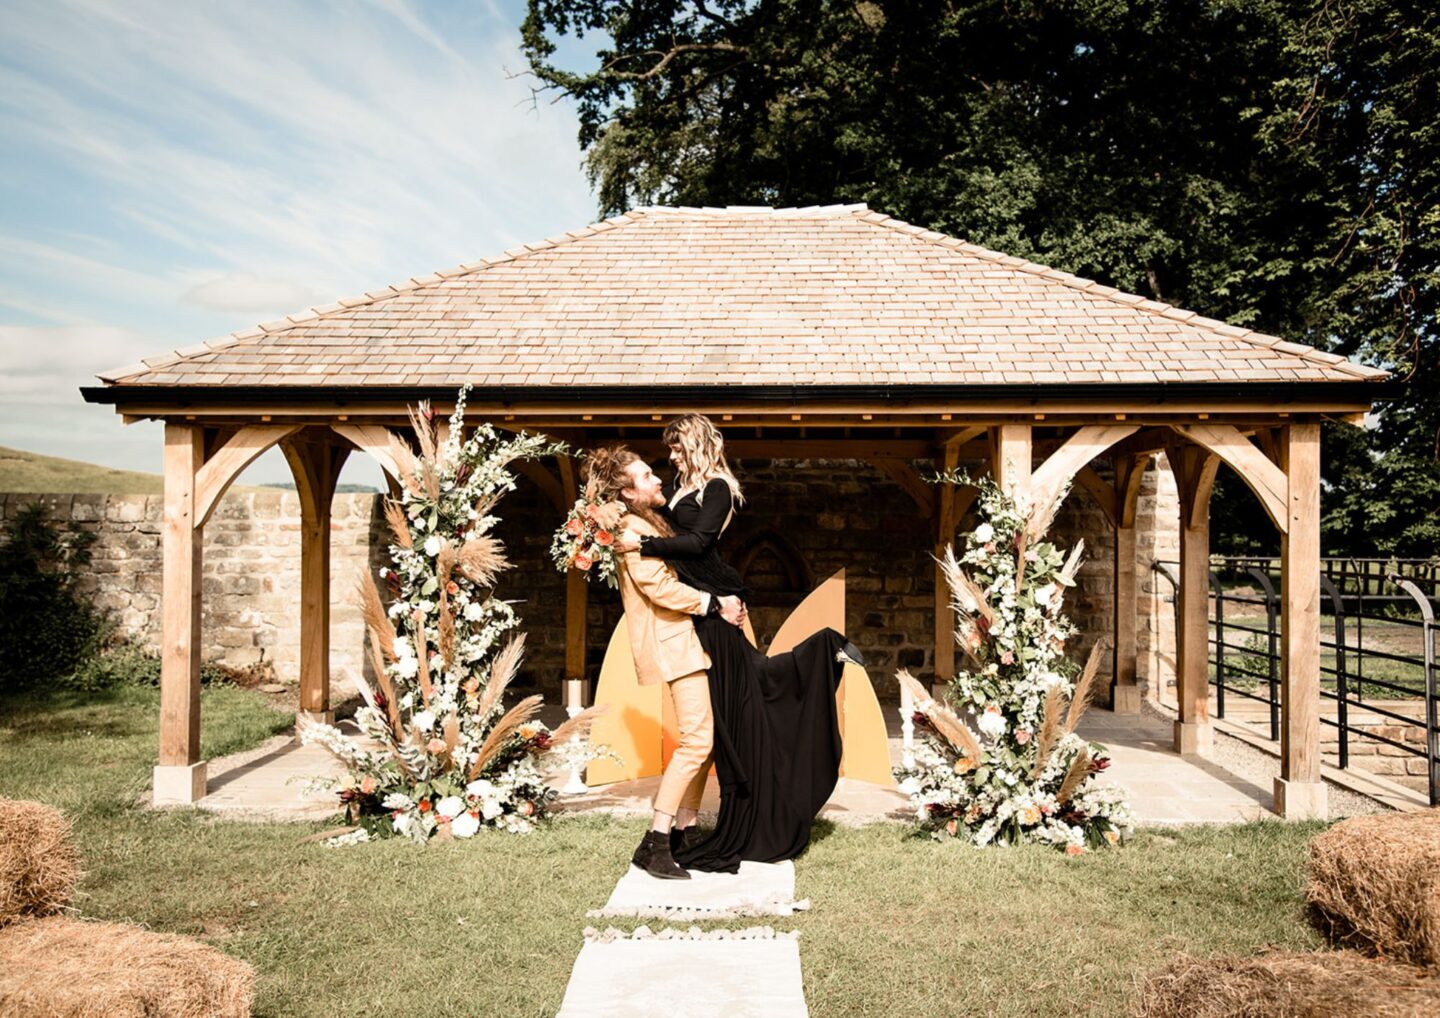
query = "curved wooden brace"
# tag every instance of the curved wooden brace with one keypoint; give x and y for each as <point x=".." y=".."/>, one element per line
<point x="238" y="452"/>
<point x="375" y="440"/>
<point x="1129" y="473"/>
<point x="1100" y="490"/>
<point x="547" y="482"/>
<point x="315" y="475"/>
<point x="1078" y="450"/>
<point x="903" y="474"/>
<point x="1263" y="477"/>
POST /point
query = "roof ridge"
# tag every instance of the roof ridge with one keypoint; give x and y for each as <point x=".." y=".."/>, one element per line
<point x="319" y="311"/>
<point x="1135" y="301"/>
<point x="755" y="210"/>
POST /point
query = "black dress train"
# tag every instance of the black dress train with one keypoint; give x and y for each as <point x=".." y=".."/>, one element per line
<point x="777" y="736"/>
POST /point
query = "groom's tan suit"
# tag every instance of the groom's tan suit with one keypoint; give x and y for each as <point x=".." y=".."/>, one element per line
<point x="658" y="610"/>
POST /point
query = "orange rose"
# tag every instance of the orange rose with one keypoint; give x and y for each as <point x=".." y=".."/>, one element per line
<point x="573" y="527"/>
<point x="583" y="562"/>
<point x="1074" y="849"/>
<point x="452" y="587"/>
<point x="424" y="805"/>
<point x="367" y="784"/>
<point x="951" y="828"/>
<point x="604" y="538"/>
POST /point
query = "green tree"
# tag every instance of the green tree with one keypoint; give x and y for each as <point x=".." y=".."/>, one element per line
<point x="1269" y="163"/>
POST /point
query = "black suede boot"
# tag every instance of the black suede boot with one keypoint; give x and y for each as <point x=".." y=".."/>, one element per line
<point x="653" y="856"/>
<point x="683" y="838"/>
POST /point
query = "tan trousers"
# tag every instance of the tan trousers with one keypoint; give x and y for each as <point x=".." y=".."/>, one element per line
<point x="683" y="782"/>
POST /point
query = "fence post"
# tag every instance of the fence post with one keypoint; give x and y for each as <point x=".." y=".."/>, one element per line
<point x="1342" y="712"/>
<point x="1432" y="733"/>
<point x="1219" y="645"/>
<point x="1273" y="656"/>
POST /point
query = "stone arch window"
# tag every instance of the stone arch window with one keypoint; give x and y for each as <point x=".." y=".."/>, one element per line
<point x="773" y="568"/>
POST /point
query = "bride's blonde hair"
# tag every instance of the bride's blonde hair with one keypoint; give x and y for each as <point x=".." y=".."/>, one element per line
<point x="704" y="449"/>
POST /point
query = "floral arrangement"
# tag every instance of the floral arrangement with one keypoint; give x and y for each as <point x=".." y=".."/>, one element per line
<point x="437" y="755"/>
<point x="1026" y="776"/>
<point x="586" y="540"/>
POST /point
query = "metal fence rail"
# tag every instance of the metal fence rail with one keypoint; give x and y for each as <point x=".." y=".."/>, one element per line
<point x="1396" y="597"/>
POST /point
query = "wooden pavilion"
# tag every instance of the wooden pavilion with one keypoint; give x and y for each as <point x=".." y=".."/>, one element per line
<point x="828" y="332"/>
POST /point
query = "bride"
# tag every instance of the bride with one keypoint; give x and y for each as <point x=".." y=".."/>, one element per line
<point x="777" y="737"/>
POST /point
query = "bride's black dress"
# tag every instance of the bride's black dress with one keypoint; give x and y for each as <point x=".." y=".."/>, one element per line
<point x="777" y="737"/>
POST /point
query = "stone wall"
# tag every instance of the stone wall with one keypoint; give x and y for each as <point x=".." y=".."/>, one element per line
<point x="803" y="521"/>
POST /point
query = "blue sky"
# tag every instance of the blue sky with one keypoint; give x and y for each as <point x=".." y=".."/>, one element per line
<point x="172" y="171"/>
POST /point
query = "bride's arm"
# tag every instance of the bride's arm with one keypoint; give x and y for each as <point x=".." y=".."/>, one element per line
<point x="696" y="542"/>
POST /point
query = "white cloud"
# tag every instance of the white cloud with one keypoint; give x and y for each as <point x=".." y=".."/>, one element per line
<point x="249" y="293"/>
<point x="44" y="363"/>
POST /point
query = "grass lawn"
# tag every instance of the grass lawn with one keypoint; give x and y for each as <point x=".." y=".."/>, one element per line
<point x="491" y="926"/>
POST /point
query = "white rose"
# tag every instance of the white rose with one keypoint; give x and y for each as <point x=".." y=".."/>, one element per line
<point x="480" y="788"/>
<point x="464" y="826"/>
<point x="910" y="786"/>
<point x="450" y="807"/>
<point x="491" y="808"/>
<point x="984" y="532"/>
<point x="474" y="611"/>
<point x="432" y="545"/>
<point x="424" y="719"/>
<point x="408" y="667"/>
<point x="403" y="648"/>
<point x="992" y="722"/>
<point x="1044" y="594"/>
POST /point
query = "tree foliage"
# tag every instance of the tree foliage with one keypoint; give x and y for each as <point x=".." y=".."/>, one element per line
<point x="1270" y="163"/>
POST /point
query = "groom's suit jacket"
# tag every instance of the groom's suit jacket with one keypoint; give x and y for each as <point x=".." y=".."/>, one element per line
<point x="657" y="613"/>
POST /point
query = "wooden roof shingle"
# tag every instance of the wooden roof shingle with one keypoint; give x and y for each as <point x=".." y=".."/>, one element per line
<point x="742" y="296"/>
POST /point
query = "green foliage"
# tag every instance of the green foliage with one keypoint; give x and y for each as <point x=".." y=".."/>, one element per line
<point x="1271" y="164"/>
<point x="46" y="626"/>
<point x="128" y="663"/>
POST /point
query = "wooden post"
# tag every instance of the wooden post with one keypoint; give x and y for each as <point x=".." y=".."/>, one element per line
<point x="1124" y="691"/>
<point x="1011" y="459"/>
<point x="1299" y="791"/>
<point x="946" y="520"/>
<point x="316" y="468"/>
<point x="577" y="599"/>
<point x="1194" y="469"/>
<point x="180" y="774"/>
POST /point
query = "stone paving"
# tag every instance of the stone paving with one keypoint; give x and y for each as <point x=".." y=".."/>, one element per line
<point x="267" y="782"/>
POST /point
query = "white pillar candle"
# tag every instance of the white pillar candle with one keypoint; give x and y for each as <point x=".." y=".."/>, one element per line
<point x="573" y="696"/>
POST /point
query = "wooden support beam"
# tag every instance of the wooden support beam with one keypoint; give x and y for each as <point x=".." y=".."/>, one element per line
<point x="1077" y="451"/>
<point x="1124" y="689"/>
<point x="316" y="467"/>
<point x="237" y="452"/>
<point x="547" y="482"/>
<point x="1263" y="477"/>
<point x="905" y="475"/>
<point x="1011" y="459"/>
<point x="1299" y="791"/>
<point x="947" y="518"/>
<point x="1192" y="465"/>
<point x="830" y="448"/>
<point x="180" y="775"/>
<point x="577" y="591"/>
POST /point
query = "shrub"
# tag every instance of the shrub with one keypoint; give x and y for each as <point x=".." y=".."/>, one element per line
<point x="46" y="627"/>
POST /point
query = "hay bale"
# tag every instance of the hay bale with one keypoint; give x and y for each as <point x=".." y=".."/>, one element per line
<point x="1375" y="884"/>
<point x="69" y="968"/>
<point x="39" y="866"/>
<point x="1286" y="985"/>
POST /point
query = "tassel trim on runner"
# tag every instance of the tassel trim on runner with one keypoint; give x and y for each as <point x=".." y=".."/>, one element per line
<point x="592" y="935"/>
<point x="775" y="904"/>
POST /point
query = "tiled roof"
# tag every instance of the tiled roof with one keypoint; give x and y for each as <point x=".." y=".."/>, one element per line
<point x="692" y="296"/>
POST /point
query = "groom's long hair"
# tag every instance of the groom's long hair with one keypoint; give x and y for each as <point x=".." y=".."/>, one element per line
<point x="603" y="475"/>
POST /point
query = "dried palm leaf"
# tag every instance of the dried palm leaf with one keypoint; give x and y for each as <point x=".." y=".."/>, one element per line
<point x="1084" y="687"/>
<point x="422" y="653"/>
<point x="1042" y="515"/>
<point x="609" y="514"/>
<point x="965" y="594"/>
<point x="1049" y="729"/>
<point x="1066" y="576"/>
<point x="1020" y="541"/>
<point x="481" y="559"/>
<point x="579" y="725"/>
<point x="504" y="728"/>
<point x="399" y="524"/>
<point x="502" y="670"/>
<point x="372" y="611"/>
<point x="382" y="678"/>
<point x="946" y="722"/>
<point x="1075" y="776"/>
<point x="424" y="429"/>
<point x="406" y="464"/>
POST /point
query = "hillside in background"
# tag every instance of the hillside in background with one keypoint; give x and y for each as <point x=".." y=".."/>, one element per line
<point x="32" y="472"/>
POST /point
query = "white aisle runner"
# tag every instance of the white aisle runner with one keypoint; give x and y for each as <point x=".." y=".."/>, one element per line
<point x="693" y="973"/>
<point x="760" y="888"/>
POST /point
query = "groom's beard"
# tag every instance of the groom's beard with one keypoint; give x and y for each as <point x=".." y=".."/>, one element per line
<point x="650" y="516"/>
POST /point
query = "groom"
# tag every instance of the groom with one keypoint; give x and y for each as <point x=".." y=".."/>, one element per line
<point x="667" y="650"/>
